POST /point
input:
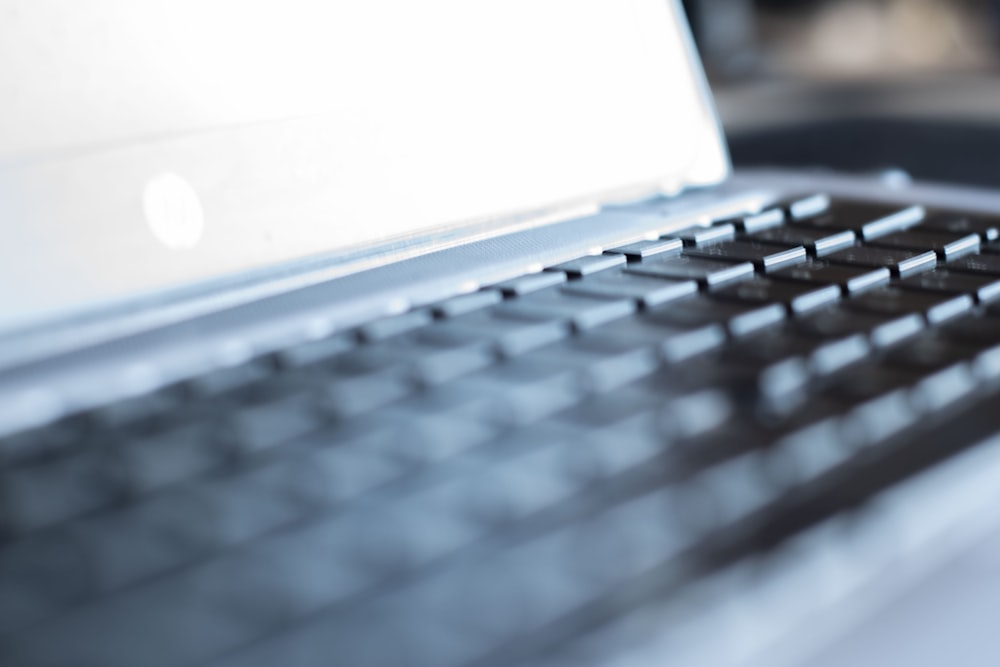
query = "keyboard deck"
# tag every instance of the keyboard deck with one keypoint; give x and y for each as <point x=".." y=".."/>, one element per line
<point x="498" y="477"/>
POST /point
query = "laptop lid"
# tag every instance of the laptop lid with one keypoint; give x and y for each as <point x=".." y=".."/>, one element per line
<point x="147" y="145"/>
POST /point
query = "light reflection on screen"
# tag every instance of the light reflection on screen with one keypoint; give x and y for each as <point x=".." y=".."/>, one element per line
<point x="294" y="128"/>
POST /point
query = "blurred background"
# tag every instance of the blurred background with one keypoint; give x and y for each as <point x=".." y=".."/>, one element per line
<point x="858" y="85"/>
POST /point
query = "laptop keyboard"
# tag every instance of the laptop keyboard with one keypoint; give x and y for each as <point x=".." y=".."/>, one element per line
<point x="490" y="479"/>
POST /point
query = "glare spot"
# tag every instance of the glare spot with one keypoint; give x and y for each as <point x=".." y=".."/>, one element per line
<point x="173" y="211"/>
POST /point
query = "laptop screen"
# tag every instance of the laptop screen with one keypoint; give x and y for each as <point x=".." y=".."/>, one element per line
<point x="146" y="144"/>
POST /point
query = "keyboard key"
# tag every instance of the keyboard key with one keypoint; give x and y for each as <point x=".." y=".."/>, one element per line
<point x="144" y="408"/>
<point x="947" y="246"/>
<point x="523" y="393"/>
<point x="315" y="352"/>
<point x="272" y="424"/>
<point x="44" y="494"/>
<point x="705" y="271"/>
<point x="414" y="434"/>
<point x="530" y="283"/>
<point x="988" y="228"/>
<point x="823" y="355"/>
<point x="39" y="576"/>
<point x="817" y="242"/>
<point x="739" y="319"/>
<point x="640" y="250"/>
<point x="758" y="222"/>
<point x="808" y="207"/>
<point x="229" y="379"/>
<point x="976" y="331"/>
<point x="582" y="311"/>
<point x="675" y="343"/>
<point x="702" y="236"/>
<point x="902" y="263"/>
<point x="798" y="298"/>
<point x="838" y="322"/>
<point x="585" y="266"/>
<point x="892" y="301"/>
<point x="348" y="395"/>
<point x="928" y="352"/>
<point x="394" y="326"/>
<point x="172" y="456"/>
<point x="467" y="303"/>
<point x="983" y="287"/>
<point x="883" y="407"/>
<point x="427" y="359"/>
<point x="765" y="257"/>
<point x="983" y="264"/>
<point x="648" y="292"/>
<point x="945" y="387"/>
<point x="868" y="220"/>
<point x="601" y="363"/>
<point x="436" y="367"/>
<point x="851" y="279"/>
<point x="510" y="335"/>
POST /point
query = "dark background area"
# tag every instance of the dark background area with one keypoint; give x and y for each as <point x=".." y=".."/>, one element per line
<point x="858" y="85"/>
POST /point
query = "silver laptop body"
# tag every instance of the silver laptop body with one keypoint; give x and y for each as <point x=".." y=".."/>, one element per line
<point x="188" y="186"/>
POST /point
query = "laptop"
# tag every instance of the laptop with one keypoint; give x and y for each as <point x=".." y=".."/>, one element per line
<point x="443" y="333"/>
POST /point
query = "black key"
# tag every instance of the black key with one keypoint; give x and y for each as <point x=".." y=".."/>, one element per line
<point x="436" y="367"/>
<point x="851" y="279"/>
<point x="882" y="405"/>
<point x="600" y="362"/>
<point x="983" y="264"/>
<point x="764" y="256"/>
<point x="986" y="227"/>
<point x="824" y="356"/>
<point x="867" y="220"/>
<point x="944" y="387"/>
<point x="943" y="367"/>
<point x="525" y="392"/>
<point x="797" y="297"/>
<point x="982" y="332"/>
<point x="264" y="426"/>
<point x="171" y="456"/>
<point x="532" y="282"/>
<point x="817" y="242"/>
<point x="901" y="263"/>
<point x="137" y="409"/>
<point x="808" y="206"/>
<point x="350" y="395"/>
<point x="839" y="323"/>
<point x="740" y="319"/>
<point x="675" y="342"/>
<point x="705" y="271"/>
<point x="871" y="380"/>
<point x="581" y="311"/>
<point x="701" y="236"/>
<point x="394" y="326"/>
<point x="758" y="222"/>
<point x="647" y="291"/>
<point x="929" y="352"/>
<point x="229" y="379"/>
<point x="983" y="287"/>
<point x="761" y="221"/>
<point x="585" y="266"/>
<point x="467" y="303"/>
<point x="936" y="307"/>
<point x="511" y="336"/>
<point x="947" y="246"/>
<point x="315" y="352"/>
<point x="40" y="495"/>
<point x="640" y="250"/>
